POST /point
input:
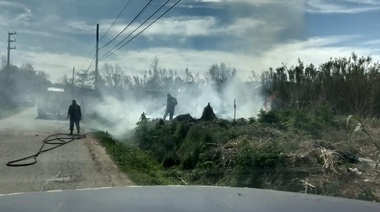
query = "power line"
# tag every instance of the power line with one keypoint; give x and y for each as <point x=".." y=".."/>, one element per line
<point x="91" y="64"/>
<point x="105" y="56"/>
<point x="115" y="19"/>
<point x="6" y="30"/>
<point x="136" y="29"/>
<point x="9" y="24"/>
<point x="21" y="53"/>
<point x="88" y="57"/>
<point x="134" y="19"/>
<point x="21" y="48"/>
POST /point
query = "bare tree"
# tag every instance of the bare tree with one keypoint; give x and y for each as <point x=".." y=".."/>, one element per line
<point x="85" y="79"/>
<point x="220" y="74"/>
<point x="3" y="62"/>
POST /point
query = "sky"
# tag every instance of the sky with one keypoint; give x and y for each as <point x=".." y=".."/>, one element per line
<point x="250" y="35"/>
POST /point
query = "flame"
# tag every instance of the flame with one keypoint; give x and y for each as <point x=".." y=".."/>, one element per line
<point x="268" y="102"/>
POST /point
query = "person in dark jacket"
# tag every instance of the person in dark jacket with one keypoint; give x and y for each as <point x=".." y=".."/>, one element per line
<point x="75" y="115"/>
<point x="170" y="105"/>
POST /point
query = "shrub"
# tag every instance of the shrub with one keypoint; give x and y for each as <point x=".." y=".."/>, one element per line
<point x="192" y="145"/>
<point x="143" y="133"/>
<point x="252" y="161"/>
<point x="310" y="121"/>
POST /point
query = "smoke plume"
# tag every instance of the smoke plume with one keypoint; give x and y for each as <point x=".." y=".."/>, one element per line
<point x="120" y="116"/>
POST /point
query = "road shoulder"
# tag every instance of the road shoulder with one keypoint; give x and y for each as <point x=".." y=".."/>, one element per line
<point x="105" y="165"/>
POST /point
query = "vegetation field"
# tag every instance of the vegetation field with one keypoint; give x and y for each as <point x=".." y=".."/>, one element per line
<point x="291" y="150"/>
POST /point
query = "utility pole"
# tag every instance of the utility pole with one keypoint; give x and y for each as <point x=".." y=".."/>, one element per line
<point x="72" y="82"/>
<point x="9" y="46"/>
<point x="234" y="110"/>
<point x="97" y="59"/>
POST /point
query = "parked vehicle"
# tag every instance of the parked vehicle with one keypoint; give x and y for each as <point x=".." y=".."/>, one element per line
<point x="53" y="103"/>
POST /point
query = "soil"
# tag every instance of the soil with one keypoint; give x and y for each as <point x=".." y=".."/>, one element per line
<point x="105" y="164"/>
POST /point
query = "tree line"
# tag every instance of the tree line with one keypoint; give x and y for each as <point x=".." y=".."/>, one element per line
<point x="351" y="85"/>
<point x="21" y="82"/>
<point x="113" y="80"/>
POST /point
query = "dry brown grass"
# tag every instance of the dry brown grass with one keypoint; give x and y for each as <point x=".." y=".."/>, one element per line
<point x="329" y="159"/>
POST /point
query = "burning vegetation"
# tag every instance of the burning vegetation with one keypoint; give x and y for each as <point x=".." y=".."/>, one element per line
<point x="301" y="140"/>
<point x="270" y="153"/>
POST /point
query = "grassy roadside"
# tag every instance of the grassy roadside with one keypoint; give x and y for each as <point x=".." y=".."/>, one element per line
<point x="8" y="112"/>
<point x="298" y="151"/>
<point x="142" y="167"/>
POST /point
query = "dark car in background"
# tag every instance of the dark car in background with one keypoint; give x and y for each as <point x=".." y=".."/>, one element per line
<point x="53" y="103"/>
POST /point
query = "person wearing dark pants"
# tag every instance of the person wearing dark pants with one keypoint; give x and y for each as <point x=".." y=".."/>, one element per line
<point x="75" y="115"/>
<point x="170" y="105"/>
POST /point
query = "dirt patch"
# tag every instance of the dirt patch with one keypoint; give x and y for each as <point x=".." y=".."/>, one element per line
<point x="105" y="165"/>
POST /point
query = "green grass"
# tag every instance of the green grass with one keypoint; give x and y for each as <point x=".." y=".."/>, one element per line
<point x="142" y="167"/>
<point x="307" y="122"/>
<point x="186" y="153"/>
<point x="275" y="151"/>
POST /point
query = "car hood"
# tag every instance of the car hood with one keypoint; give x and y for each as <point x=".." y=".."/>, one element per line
<point x="178" y="198"/>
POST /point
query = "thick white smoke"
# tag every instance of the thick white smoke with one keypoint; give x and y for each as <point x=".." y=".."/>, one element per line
<point x="274" y="21"/>
<point x="120" y="116"/>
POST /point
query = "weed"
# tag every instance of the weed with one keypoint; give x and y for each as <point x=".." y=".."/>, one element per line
<point x="142" y="132"/>
<point x="299" y="120"/>
<point x="192" y="145"/>
<point x="245" y="155"/>
<point x="253" y="161"/>
<point x="355" y="124"/>
<point x="141" y="166"/>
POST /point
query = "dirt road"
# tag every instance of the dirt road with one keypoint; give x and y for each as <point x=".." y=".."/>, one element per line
<point x="79" y="164"/>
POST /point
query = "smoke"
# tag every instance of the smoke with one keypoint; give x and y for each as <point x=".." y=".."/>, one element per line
<point x="120" y="116"/>
<point x="247" y="96"/>
<point x="253" y="29"/>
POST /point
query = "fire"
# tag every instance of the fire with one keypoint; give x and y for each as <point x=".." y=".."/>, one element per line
<point x="268" y="102"/>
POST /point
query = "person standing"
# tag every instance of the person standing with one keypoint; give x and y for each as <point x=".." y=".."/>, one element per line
<point x="170" y="106"/>
<point x="75" y="115"/>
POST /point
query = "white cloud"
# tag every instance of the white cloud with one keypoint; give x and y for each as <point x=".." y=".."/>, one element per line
<point x="186" y="26"/>
<point x="314" y="50"/>
<point x="369" y="2"/>
<point x="260" y="33"/>
<point x="372" y="42"/>
<point x="243" y="25"/>
<point x="255" y="2"/>
<point x="78" y="27"/>
<point x="18" y="18"/>
<point x="54" y="64"/>
<point x="24" y="17"/>
<point x="177" y="26"/>
<point x="341" y="6"/>
<point x="10" y="4"/>
<point x="47" y="21"/>
<point x="40" y="33"/>
<point x="183" y="26"/>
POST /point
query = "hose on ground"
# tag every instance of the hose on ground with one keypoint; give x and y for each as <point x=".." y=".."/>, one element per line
<point x="57" y="140"/>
